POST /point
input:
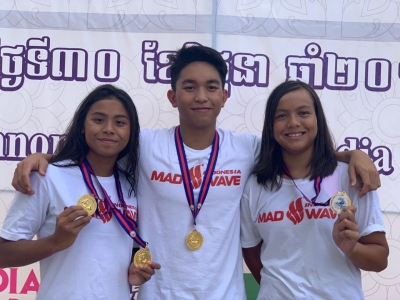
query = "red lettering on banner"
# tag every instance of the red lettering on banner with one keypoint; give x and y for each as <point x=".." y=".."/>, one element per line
<point x="10" y="281"/>
<point x="13" y="281"/>
<point x="4" y="280"/>
<point x="31" y="284"/>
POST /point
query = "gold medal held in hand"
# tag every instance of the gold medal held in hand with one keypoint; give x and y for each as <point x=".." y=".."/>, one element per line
<point x="88" y="202"/>
<point x="339" y="201"/>
<point x="194" y="240"/>
<point x="141" y="257"/>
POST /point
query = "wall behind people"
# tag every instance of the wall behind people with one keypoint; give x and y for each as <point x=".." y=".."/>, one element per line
<point x="53" y="52"/>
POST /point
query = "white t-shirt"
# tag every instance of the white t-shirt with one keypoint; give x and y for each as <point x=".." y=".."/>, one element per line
<point x="300" y="259"/>
<point x="96" y="265"/>
<point x="215" y="270"/>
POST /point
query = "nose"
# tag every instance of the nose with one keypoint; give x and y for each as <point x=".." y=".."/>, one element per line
<point x="201" y="95"/>
<point x="108" y="127"/>
<point x="293" y="121"/>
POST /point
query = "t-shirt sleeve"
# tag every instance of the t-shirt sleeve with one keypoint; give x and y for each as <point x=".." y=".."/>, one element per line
<point x="26" y="214"/>
<point x="249" y="234"/>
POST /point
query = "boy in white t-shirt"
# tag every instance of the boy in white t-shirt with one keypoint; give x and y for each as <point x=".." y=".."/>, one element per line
<point x="198" y="247"/>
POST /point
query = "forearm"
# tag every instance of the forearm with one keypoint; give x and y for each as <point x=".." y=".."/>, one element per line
<point x="344" y="156"/>
<point x="252" y="258"/>
<point x="370" y="257"/>
<point x="25" y="252"/>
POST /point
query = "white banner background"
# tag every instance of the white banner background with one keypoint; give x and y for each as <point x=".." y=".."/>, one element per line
<point x="349" y="50"/>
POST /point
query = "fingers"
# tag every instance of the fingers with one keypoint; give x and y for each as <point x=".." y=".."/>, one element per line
<point x="34" y="162"/>
<point x="352" y="175"/>
<point x="42" y="166"/>
<point x="21" y="180"/>
<point x="346" y="220"/>
<point x="74" y="218"/>
<point x="142" y="273"/>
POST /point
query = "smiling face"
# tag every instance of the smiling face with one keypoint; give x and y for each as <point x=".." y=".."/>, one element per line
<point x="295" y="123"/>
<point x="106" y="129"/>
<point x="199" y="96"/>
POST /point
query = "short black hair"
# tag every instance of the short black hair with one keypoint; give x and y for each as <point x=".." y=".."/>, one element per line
<point x="189" y="54"/>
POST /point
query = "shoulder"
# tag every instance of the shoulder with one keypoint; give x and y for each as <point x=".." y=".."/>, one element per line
<point x="252" y="186"/>
<point x="147" y="135"/>
<point x="56" y="172"/>
<point x="240" y="139"/>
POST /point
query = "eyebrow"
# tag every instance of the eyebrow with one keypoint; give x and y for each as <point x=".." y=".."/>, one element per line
<point x="300" y="107"/>
<point x="103" y="114"/>
<point x="194" y="81"/>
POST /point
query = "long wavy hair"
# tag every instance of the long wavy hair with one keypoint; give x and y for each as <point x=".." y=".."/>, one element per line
<point x="73" y="146"/>
<point x="269" y="168"/>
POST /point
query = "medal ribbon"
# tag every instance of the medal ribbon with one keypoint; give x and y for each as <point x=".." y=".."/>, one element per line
<point x="187" y="183"/>
<point x="127" y="223"/>
<point x="317" y="188"/>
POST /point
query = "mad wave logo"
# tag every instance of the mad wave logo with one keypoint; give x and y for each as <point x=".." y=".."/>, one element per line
<point x="195" y="176"/>
<point x="297" y="212"/>
<point x="220" y="177"/>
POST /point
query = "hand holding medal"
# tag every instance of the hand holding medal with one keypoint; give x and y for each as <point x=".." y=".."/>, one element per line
<point x="345" y="230"/>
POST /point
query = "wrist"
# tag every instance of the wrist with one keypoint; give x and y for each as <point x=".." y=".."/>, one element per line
<point x="353" y="252"/>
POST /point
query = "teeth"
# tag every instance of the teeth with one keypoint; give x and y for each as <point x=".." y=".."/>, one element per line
<point x="295" y="134"/>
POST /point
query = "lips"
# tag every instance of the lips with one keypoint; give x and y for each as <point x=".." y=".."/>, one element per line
<point x="201" y="108"/>
<point x="296" y="134"/>
<point x="107" y="141"/>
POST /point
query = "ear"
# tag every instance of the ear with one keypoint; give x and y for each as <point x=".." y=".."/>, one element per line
<point x="225" y="98"/>
<point x="172" y="98"/>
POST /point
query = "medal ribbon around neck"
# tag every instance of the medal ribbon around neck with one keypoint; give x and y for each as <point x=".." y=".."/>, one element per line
<point x="187" y="183"/>
<point x="127" y="223"/>
<point x="317" y="188"/>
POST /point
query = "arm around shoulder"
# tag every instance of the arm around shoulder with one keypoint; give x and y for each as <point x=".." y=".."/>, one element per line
<point x="360" y="164"/>
<point x="34" y="162"/>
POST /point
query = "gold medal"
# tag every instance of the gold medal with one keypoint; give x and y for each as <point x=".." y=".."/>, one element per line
<point x="141" y="257"/>
<point x="88" y="202"/>
<point x="194" y="240"/>
<point x="339" y="201"/>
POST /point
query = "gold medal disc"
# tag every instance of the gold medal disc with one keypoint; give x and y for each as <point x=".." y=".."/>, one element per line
<point x="339" y="201"/>
<point x="141" y="257"/>
<point x="194" y="240"/>
<point x="88" y="202"/>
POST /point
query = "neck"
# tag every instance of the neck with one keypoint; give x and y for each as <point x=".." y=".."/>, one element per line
<point x="103" y="167"/>
<point x="197" y="139"/>
<point x="298" y="165"/>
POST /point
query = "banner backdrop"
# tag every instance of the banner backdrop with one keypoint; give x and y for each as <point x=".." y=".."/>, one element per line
<point x="52" y="53"/>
